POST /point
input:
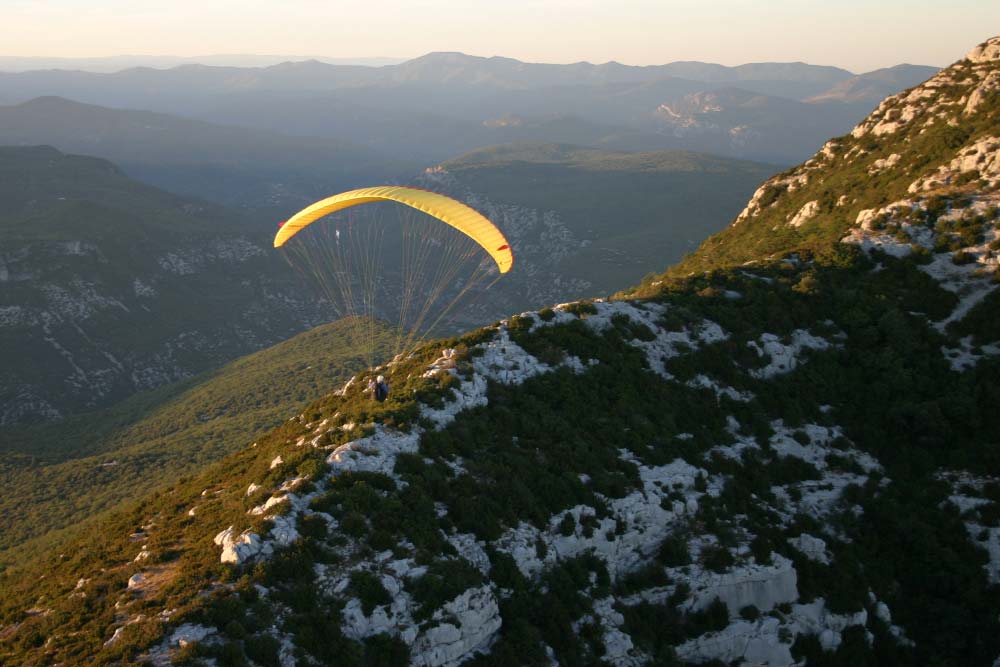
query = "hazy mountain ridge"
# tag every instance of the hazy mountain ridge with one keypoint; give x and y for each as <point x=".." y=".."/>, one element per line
<point x="756" y="464"/>
<point x="444" y="67"/>
<point x="436" y="106"/>
<point x="229" y="164"/>
<point x="110" y="64"/>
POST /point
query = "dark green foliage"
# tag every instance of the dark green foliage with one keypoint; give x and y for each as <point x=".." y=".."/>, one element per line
<point x="658" y="628"/>
<point x="531" y="617"/>
<point x="717" y="558"/>
<point x="367" y="587"/>
<point x="648" y="576"/>
<point x="581" y="308"/>
<point x="385" y="651"/>
<point x="263" y="650"/>
<point x="674" y="552"/>
<point x="568" y="524"/>
<point x="444" y="581"/>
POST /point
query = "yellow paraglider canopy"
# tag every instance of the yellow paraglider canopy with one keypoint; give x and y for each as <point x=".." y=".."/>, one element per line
<point x="463" y="218"/>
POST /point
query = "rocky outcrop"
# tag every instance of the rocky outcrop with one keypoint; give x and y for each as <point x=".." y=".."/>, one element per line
<point x="985" y="52"/>
<point x="783" y="357"/>
<point x="805" y="214"/>
<point x="448" y="644"/>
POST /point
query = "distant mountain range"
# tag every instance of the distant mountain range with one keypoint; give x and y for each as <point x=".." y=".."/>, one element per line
<point x="234" y="165"/>
<point x="109" y="64"/>
<point x="442" y="104"/>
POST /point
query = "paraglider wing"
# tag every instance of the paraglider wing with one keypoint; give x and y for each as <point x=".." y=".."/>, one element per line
<point x="463" y="218"/>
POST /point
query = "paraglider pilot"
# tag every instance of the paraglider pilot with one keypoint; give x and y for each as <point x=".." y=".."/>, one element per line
<point x="379" y="388"/>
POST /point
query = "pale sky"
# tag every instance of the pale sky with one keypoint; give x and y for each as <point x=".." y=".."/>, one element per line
<point x="859" y="35"/>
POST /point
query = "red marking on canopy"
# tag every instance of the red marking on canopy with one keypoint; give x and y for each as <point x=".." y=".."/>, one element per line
<point x="503" y="247"/>
<point x="282" y="223"/>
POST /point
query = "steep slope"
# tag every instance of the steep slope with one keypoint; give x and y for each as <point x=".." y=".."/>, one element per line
<point x="761" y="463"/>
<point x="924" y="149"/>
<point x="594" y="482"/>
<point x="57" y="475"/>
<point x="108" y="286"/>
<point x="230" y="165"/>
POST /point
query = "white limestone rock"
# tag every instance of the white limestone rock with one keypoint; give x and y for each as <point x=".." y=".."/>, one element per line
<point x="749" y="643"/>
<point x="446" y="645"/>
<point x="882" y="164"/>
<point x="805" y="214"/>
<point x="981" y="156"/>
<point x="271" y="502"/>
<point x="989" y="85"/>
<point x="619" y="649"/>
<point x="763" y="586"/>
<point x="240" y="548"/>
<point x="374" y="453"/>
<point x="986" y="52"/>
<point x="783" y="357"/>
<point x="813" y="548"/>
<point x="641" y="512"/>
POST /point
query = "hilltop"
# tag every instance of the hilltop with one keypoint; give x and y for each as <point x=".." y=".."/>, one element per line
<point x="767" y="455"/>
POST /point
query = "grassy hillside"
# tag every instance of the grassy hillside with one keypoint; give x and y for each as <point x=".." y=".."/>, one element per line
<point x="60" y="474"/>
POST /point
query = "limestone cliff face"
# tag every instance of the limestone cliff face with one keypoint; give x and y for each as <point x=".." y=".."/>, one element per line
<point x="83" y="327"/>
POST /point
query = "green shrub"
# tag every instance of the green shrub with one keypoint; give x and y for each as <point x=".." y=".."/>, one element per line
<point x="674" y="552"/>
<point x="963" y="257"/>
<point x="368" y="588"/>
<point x="717" y="558"/>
